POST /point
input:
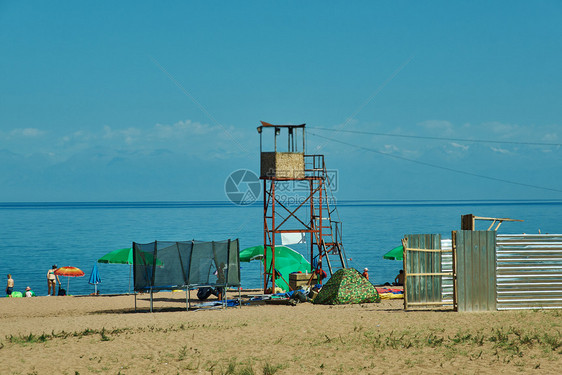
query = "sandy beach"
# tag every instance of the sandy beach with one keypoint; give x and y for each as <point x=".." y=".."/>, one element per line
<point x="104" y="335"/>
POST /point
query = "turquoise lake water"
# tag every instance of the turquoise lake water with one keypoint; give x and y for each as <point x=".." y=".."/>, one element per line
<point x="35" y="236"/>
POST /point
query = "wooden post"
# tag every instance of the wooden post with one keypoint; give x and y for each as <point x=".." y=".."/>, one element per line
<point x="467" y="222"/>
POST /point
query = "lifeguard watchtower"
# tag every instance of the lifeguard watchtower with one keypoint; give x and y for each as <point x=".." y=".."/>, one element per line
<point x="297" y="200"/>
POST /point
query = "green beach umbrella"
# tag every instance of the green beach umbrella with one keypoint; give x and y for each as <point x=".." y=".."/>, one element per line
<point x="395" y="254"/>
<point x="125" y="256"/>
<point x="120" y="256"/>
<point x="287" y="260"/>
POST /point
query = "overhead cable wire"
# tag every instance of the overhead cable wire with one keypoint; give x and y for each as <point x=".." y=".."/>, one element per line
<point x="437" y="166"/>
<point x="196" y="102"/>
<point x="371" y="97"/>
<point x="439" y="138"/>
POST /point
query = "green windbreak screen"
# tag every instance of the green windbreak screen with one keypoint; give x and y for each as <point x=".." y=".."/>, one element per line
<point x="167" y="264"/>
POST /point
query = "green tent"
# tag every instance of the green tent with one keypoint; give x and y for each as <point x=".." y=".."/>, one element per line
<point x="395" y="254"/>
<point x="347" y="286"/>
<point x="287" y="261"/>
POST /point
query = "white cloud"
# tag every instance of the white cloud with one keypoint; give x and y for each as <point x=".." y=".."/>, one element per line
<point x="78" y="136"/>
<point x="500" y="150"/>
<point x="129" y="135"/>
<point x="27" y="132"/>
<point x="550" y="137"/>
<point x="162" y="134"/>
<point x="499" y="127"/>
<point x="439" y="125"/>
<point x="182" y="129"/>
<point x="390" y="149"/>
<point x="462" y="147"/>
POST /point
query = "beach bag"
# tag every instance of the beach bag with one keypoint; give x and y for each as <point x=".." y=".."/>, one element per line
<point x="300" y="296"/>
<point x="62" y="292"/>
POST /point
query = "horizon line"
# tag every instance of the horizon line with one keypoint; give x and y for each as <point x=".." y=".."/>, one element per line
<point x="227" y="203"/>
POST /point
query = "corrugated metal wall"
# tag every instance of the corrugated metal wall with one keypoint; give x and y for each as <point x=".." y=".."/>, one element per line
<point x="476" y="269"/>
<point x="493" y="272"/>
<point x="447" y="266"/>
<point x="421" y="288"/>
<point x="529" y="271"/>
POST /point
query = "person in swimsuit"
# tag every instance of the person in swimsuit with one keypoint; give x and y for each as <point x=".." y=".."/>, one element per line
<point x="365" y="273"/>
<point x="399" y="280"/>
<point x="52" y="280"/>
<point x="10" y="285"/>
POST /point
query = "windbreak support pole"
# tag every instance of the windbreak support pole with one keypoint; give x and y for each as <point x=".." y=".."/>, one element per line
<point x="130" y="267"/>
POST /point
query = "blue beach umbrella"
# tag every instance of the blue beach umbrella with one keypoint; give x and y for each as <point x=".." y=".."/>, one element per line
<point x="95" y="278"/>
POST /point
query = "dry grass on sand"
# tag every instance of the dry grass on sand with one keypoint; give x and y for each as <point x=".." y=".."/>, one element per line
<point x="103" y="335"/>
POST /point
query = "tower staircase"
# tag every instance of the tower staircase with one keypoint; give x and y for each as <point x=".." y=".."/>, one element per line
<point x="325" y="221"/>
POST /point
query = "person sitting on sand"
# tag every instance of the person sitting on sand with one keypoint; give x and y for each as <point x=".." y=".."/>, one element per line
<point x="29" y="292"/>
<point x="52" y="280"/>
<point x="365" y="273"/>
<point x="10" y="285"/>
<point x="399" y="279"/>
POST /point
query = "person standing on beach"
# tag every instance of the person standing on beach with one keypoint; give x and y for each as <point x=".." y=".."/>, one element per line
<point x="10" y="285"/>
<point x="220" y="280"/>
<point x="52" y="280"/>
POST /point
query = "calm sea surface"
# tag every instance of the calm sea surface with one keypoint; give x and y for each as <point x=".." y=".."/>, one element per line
<point x="34" y="236"/>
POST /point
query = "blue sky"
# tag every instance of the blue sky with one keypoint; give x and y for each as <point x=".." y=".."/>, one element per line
<point x="160" y="101"/>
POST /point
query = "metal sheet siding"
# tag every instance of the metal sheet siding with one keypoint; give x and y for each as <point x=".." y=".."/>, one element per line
<point x="529" y="271"/>
<point x="476" y="266"/>
<point x="422" y="289"/>
<point x="447" y="266"/>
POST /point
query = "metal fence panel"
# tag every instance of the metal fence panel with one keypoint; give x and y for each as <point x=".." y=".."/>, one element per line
<point x="423" y="288"/>
<point x="447" y="290"/>
<point x="529" y="271"/>
<point x="476" y="270"/>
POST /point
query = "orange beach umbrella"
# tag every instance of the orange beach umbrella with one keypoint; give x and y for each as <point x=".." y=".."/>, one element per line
<point x="69" y="272"/>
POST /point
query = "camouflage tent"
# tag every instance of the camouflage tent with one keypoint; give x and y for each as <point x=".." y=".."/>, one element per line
<point x="347" y="286"/>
